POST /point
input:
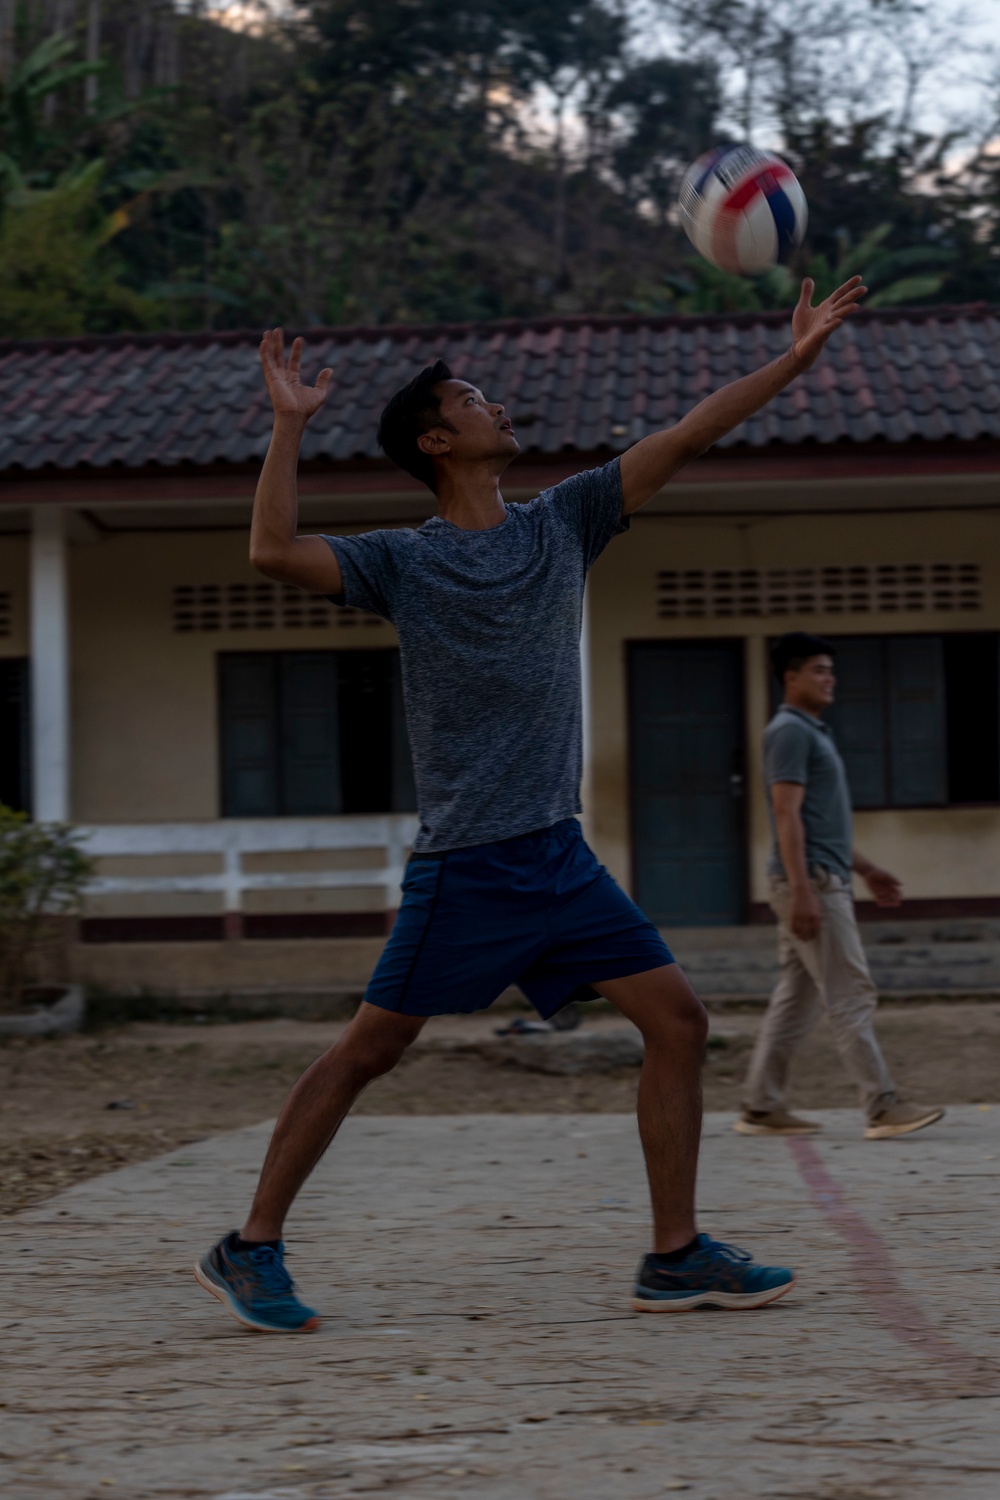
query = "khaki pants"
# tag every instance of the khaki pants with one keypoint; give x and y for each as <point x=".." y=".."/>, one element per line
<point x="831" y="973"/>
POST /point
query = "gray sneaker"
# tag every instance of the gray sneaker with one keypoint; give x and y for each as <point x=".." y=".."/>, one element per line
<point x="901" y="1119"/>
<point x="774" y="1122"/>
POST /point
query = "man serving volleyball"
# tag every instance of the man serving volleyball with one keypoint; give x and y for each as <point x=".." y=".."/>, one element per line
<point x="501" y="888"/>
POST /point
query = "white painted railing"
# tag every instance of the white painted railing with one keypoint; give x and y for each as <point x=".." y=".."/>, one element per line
<point x="234" y="838"/>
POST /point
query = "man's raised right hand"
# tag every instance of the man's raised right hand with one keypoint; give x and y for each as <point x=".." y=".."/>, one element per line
<point x="289" y="397"/>
<point x="276" y="549"/>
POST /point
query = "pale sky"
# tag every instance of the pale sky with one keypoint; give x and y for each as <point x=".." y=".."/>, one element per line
<point x="969" y="73"/>
<point x="956" y="94"/>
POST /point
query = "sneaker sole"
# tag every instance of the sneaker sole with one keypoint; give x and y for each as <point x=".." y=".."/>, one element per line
<point x="734" y="1301"/>
<point x="747" y="1127"/>
<point x="886" y="1132"/>
<point x="223" y="1295"/>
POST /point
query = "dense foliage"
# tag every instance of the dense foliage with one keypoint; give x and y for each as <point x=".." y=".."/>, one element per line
<point x="162" y="166"/>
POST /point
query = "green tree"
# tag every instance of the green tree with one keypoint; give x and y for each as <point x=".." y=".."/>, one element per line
<point x="58" y="275"/>
<point x="27" y="138"/>
<point x="569" y="47"/>
<point x="438" y="159"/>
<point x="894" y="278"/>
<point x="668" y="111"/>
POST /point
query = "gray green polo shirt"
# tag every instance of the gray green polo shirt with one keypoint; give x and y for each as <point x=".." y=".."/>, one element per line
<point x="799" y="748"/>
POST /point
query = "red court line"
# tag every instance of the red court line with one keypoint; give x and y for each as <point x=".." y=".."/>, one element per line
<point x="898" y="1311"/>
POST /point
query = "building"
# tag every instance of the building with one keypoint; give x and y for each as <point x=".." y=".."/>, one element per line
<point x="236" y="749"/>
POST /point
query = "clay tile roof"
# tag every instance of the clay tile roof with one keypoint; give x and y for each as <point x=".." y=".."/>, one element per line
<point x="584" y="383"/>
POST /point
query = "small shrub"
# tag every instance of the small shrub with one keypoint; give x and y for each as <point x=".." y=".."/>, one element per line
<point x="43" y="872"/>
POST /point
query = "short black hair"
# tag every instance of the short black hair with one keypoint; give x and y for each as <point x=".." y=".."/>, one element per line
<point x="794" y="649"/>
<point x="412" y="411"/>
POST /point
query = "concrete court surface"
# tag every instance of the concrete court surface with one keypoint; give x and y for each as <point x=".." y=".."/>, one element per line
<point x="474" y="1274"/>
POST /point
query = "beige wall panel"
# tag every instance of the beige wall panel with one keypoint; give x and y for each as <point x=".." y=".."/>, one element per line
<point x="144" y="696"/>
<point x="936" y="852"/>
<point x="247" y="966"/>
<point x="354" y="898"/>
<point x="939" y="851"/>
<point x="14" y="581"/>
<point x="135" y="866"/>
<point x="623" y="609"/>
<point x="154" y="904"/>
<point x="288" y="861"/>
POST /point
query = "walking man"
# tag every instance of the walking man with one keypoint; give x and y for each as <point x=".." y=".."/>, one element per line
<point x="822" y="960"/>
<point x="487" y="599"/>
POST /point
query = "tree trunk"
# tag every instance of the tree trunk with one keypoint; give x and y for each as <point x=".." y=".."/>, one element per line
<point x="144" y="50"/>
<point x="93" y="51"/>
<point x="559" y="198"/>
<point x="8" y="14"/>
<point x="60" y="16"/>
<point x="755" y="48"/>
<point x="165" y="61"/>
<point x="63" y="15"/>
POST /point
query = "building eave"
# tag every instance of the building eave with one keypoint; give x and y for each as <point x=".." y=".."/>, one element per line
<point x="805" y="463"/>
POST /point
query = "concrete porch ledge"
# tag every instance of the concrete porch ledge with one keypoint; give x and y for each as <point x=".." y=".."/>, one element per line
<point x="724" y="963"/>
<point x="223" y="967"/>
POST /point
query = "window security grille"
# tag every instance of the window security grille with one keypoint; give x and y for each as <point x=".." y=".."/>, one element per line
<point x="865" y="588"/>
<point x="259" y="606"/>
<point x="5" y="614"/>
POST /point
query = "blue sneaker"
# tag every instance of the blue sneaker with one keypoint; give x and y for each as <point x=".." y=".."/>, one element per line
<point x="713" y="1275"/>
<point x="255" y="1287"/>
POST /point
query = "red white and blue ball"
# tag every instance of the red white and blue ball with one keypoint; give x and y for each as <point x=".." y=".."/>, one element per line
<point x="743" y="209"/>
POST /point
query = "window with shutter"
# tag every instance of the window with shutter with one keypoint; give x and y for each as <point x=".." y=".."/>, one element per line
<point x="858" y="718"/>
<point x="309" y="738"/>
<point x="366" y="730"/>
<point x="917" y="718"/>
<point x="15" y="732"/>
<point x="972" y="679"/>
<point x="248" y="702"/>
<point x="404" y="789"/>
<point x="313" y="733"/>
<point x="918" y="768"/>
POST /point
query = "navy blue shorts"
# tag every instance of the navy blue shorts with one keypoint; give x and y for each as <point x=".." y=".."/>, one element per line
<point x="537" y="911"/>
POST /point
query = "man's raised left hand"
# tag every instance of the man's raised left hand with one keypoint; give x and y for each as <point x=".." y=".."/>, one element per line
<point x="812" y="326"/>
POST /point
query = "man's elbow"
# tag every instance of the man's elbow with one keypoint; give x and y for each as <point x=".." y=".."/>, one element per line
<point x="693" y="445"/>
<point x="681" y="454"/>
<point x="267" y="560"/>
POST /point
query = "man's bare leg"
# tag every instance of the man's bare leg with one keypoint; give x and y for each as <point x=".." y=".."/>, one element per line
<point x="371" y="1045"/>
<point x="674" y="1028"/>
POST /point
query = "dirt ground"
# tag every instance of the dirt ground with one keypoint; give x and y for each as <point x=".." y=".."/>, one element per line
<point x="74" y="1107"/>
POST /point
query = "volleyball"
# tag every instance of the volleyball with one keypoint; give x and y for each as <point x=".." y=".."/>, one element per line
<point x="743" y="209"/>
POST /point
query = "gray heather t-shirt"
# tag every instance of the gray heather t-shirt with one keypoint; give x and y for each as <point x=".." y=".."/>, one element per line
<point x="799" y="748"/>
<point x="489" y="634"/>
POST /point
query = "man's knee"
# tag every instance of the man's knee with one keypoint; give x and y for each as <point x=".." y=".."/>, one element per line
<point x="689" y="1021"/>
<point x="676" y="1017"/>
<point x="372" y="1046"/>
